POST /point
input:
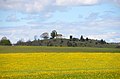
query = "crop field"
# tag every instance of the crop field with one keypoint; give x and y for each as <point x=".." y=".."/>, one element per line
<point x="62" y="65"/>
<point x="39" y="49"/>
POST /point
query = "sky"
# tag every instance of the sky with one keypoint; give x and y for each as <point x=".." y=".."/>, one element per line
<point x="95" y="19"/>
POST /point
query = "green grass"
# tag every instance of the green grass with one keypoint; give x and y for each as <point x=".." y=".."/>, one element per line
<point x="35" y="49"/>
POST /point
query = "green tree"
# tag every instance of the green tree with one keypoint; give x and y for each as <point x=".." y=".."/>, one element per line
<point x="5" y="41"/>
<point x="87" y="39"/>
<point x="71" y="37"/>
<point x="81" y="38"/>
<point x="20" y="42"/>
<point x="54" y="34"/>
<point x="102" y="41"/>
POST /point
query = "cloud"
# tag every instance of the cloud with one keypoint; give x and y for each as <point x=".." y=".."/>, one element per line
<point x="29" y="6"/>
<point x="21" y="32"/>
<point x="103" y="29"/>
<point x="76" y="2"/>
<point x="84" y="27"/>
<point x="109" y="37"/>
<point x="117" y="2"/>
<point x="37" y="16"/>
<point x="105" y="26"/>
<point x="103" y="20"/>
<point x="36" y="6"/>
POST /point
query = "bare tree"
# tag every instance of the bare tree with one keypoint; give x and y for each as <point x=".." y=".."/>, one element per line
<point x="44" y="35"/>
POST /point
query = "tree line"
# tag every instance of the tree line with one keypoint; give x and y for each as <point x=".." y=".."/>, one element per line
<point x="56" y="39"/>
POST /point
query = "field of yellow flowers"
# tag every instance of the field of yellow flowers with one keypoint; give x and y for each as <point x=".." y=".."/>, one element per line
<point x="60" y="65"/>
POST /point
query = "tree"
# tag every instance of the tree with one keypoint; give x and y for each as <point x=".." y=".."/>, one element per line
<point x="102" y="41"/>
<point x="28" y="43"/>
<point x="75" y="39"/>
<point x="81" y="38"/>
<point x="71" y="37"/>
<point x="20" y="42"/>
<point x="5" y="41"/>
<point x="54" y="34"/>
<point x="87" y="39"/>
<point x="44" y="35"/>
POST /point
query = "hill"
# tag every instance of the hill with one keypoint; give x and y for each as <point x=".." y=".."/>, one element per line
<point x="74" y="42"/>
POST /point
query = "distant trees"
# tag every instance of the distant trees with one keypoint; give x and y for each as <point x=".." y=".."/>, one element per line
<point x="71" y="44"/>
<point x="5" y="41"/>
<point x="20" y="42"/>
<point x="57" y="40"/>
<point x="71" y="37"/>
<point x="54" y="34"/>
<point x="81" y="38"/>
<point x="75" y="39"/>
<point x="28" y="43"/>
<point x="102" y="41"/>
<point x="87" y="39"/>
<point x="44" y="35"/>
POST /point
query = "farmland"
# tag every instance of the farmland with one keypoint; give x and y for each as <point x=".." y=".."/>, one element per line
<point x="40" y="49"/>
<point x="50" y="64"/>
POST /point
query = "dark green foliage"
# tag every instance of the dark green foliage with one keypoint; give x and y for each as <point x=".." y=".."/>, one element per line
<point x="81" y="38"/>
<point x="71" y="37"/>
<point x="102" y="41"/>
<point x="75" y="39"/>
<point x="5" y="42"/>
<point x="53" y="34"/>
<point x="87" y="39"/>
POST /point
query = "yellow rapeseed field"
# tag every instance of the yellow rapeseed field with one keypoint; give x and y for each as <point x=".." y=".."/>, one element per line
<point x="60" y="65"/>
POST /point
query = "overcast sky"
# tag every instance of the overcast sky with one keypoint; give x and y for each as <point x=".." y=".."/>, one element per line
<point x="96" y="19"/>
